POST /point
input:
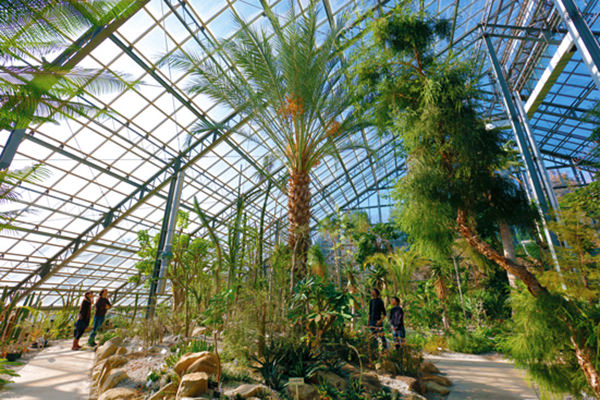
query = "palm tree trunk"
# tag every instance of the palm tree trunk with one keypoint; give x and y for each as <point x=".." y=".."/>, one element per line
<point x="509" y="249"/>
<point x="584" y="359"/>
<point x="299" y="219"/>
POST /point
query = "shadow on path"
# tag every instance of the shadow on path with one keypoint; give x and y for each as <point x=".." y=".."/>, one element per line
<point x="56" y="373"/>
<point x="478" y="377"/>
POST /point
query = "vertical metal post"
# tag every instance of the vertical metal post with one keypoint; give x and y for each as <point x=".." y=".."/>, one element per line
<point x="522" y="142"/>
<point x="582" y="35"/>
<point x="10" y="148"/>
<point x="537" y="157"/>
<point x="161" y="243"/>
<point x="166" y="254"/>
<point x="513" y="116"/>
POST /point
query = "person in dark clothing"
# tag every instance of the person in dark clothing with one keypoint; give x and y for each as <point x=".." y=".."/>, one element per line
<point x="83" y="318"/>
<point x="376" y="317"/>
<point x="102" y="306"/>
<point x="397" y="322"/>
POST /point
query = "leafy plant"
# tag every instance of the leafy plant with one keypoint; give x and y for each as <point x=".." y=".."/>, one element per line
<point x="472" y="342"/>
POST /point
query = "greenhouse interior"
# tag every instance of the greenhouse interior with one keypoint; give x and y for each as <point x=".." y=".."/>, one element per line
<point x="299" y="199"/>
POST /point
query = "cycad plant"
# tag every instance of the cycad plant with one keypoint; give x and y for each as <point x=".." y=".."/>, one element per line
<point x="290" y="83"/>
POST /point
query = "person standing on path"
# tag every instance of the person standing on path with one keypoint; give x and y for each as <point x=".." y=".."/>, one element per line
<point x="102" y="306"/>
<point x="397" y="322"/>
<point x="83" y="318"/>
<point x="376" y="317"/>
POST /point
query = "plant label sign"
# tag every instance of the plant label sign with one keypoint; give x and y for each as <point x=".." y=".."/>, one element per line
<point x="296" y="382"/>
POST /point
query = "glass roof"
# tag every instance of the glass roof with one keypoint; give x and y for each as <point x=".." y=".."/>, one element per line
<point x="110" y="174"/>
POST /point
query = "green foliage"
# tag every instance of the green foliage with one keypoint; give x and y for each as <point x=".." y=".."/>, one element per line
<point x="320" y="307"/>
<point x="6" y="371"/>
<point x="404" y="361"/>
<point x="540" y="341"/>
<point x="354" y="391"/>
<point x="472" y="342"/>
<point x="284" y="359"/>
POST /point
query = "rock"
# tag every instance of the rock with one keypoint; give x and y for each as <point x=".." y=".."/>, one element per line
<point x="440" y="380"/>
<point x="351" y="370"/>
<point x="193" y="384"/>
<point x="333" y="379"/>
<point x="370" y="382"/>
<point x="107" y="366"/>
<point x="435" y="388"/>
<point x="199" y="331"/>
<point x="106" y="350"/>
<point x="305" y="392"/>
<point x="413" y="396"/>
<point x="112" y="380"/>
<point x="411" y="383"/>
<point x="427" y="367"/>
<point x="248" y="391"/>
<point x="119" y="394"/>
<point x="169" y="389"/>
<point x="121" y="350"/>
<point x="208" y="363"/>
<point x="187" y="360"/>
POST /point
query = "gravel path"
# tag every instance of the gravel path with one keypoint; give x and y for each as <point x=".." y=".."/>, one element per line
<point x="481" y="377"/>
<point x="56" y="373"/>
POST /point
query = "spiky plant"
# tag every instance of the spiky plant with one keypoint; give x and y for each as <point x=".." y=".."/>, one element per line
<point x="291" y="86"/>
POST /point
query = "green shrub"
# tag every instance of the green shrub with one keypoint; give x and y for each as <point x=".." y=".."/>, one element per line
<point x="404" y="361"/>
<point x="470" y="342"/>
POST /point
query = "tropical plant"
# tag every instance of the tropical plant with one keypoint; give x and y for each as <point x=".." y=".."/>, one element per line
<point x="454" y="177"/>
<point x="39" y="93"/>
<point x="290" y="85"/>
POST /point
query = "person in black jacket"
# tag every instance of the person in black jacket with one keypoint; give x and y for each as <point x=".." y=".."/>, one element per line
<point x="376" y="317"/>
<point x="102" y="306"/>
<point x="83" y="318"/>
<point x="397" y="322"/>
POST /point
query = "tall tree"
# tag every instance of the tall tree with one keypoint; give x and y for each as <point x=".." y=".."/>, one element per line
<point x="290" y="85"/>
<point x="453" y="180"/>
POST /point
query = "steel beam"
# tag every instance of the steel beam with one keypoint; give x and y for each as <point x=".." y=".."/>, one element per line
<point x="584" y="39"/>
<point x="68" y="59"/>
<point x="557" y="64"/>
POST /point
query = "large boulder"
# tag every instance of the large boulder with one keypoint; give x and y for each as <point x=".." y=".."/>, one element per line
<point x="199" y="331"/>
<point x="333" y="380"/>
<point x="188" y="359"/>
<point x="427" y="367"/>
<point x="166" y="391"/>
<point x="112" y="362"/>
<point x="119" y="394"/>
<point x="247" y="391"/>
<point x="440" y="380"/>
<point x="112" y="380"/>
<point x="433" y="387"/>
<point x="370" y="380"/>
<point x="303" y="392"/>
<point x="208" y="363"/>
<point x="193" y="385"/>
<point x="106" y="350"/>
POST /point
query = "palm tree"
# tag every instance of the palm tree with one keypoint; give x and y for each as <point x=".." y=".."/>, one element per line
<point x="9" y="181"/>
<point x="31" y="92"/>
<point x="291" y="86"/>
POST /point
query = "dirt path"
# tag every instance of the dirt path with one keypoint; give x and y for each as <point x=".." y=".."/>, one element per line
<point x="477" y="377"/>
<point x="56" y="373"/>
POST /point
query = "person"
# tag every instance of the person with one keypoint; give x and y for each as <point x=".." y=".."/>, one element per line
<point x="376" y="316"/>
<point x="83" y="318"/>
<point x="397" y="322"/>
<point x="102" y="306"/>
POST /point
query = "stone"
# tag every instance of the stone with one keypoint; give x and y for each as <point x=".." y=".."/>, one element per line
<point x="121" y="350"/>
<point x="192" y="385"/>
<point x="119" y="394"/>
<point x="247" y="391"/>
<point x="112" y="380"/>
<point x="305" y="392"/>
<point x="199" y="331"/>
<point x="427" y="367"/>
<point x="187" y="360"/>
<point x="440" y="380"/>
<point x="411" y="383"/>
<point x="433" y="387"/>
<point x="370" y="382"/>
<point x="333" y="379"/>
<point x="106" y="350"/>
<point x="112" y="362"/>
<point x="169" y="389"/>
<point x="208" y="363"/>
